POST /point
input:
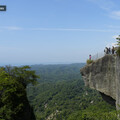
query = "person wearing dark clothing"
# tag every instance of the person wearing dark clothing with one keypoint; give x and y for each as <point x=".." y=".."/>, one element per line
<point x="109" y="50"/>
<point x="105" y="50"/>
<point x="113" y="50"/>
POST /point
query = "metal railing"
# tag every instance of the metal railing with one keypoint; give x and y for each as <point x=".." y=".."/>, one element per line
<point x="98" y="55"/>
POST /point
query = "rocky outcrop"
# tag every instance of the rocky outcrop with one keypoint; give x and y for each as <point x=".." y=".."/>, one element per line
<point x="27" y="113"/>
<point x="104" y="76"/>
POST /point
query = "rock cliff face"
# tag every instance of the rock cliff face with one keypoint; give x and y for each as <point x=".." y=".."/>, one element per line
<point x="28" y="113"/>
<point x="104" y="76"/>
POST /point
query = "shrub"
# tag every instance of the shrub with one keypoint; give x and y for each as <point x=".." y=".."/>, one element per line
<point x="89" y="61"/>
<point x="118" y="43"/>
<point x="118" y="51"/>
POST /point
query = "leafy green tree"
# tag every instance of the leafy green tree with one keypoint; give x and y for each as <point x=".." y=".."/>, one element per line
<point x="118" y="38"/>
<point x="13" y="82"/>
<point x="118" y="43"/>
<point x="22" y="74"/>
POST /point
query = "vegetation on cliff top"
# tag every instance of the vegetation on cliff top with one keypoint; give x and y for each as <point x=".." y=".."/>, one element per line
<point x="118" y="43"/>
<point x="89" y="61"/>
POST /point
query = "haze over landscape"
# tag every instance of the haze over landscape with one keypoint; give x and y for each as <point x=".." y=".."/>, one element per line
<point x="56" y="31"/>
<point x="60" y="60"/>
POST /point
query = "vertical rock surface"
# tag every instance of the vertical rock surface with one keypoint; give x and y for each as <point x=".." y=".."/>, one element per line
<point x="118" y="83"/>
<point x="104" y="76"/>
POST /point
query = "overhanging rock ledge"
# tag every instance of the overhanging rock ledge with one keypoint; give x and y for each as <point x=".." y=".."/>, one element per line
<point x="104" y="76"/>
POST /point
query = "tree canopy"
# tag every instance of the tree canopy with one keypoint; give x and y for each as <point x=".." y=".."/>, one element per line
<point x="13" y="82"/>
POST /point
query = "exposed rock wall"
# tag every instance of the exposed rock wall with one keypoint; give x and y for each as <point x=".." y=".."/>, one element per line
<point x="118" y="83"/>
<point x="28" y="113"/>
<point x="104" y="76"/>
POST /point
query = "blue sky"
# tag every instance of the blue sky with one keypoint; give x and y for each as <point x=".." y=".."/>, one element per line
<point x="56" y="31"/>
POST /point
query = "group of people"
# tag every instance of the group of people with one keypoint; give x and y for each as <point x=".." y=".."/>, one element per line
<point x="109" y="50"/>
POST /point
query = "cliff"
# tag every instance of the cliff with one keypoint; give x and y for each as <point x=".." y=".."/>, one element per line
<point x="104" y="76"/>
<point x="27" y="113"/>
<point x="17" y="108"/>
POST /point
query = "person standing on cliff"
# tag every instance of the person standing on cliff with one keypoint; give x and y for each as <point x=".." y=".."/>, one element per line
<point x="106" y="50"/>
<point x="89" y="57"/>
<point x="113" y="50"/>
<point x="109" y="50"/>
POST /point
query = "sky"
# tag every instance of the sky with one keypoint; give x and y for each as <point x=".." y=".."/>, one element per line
<point x="56" y="31"/>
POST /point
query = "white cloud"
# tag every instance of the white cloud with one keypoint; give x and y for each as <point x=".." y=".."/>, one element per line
<point x="115" y="14"/>
<point x="114" y="27"/>
<point x="74" y="29"/>
<point x="104" y="4"/>
<point x="109" y="6"/>
<point x="111" y="44"/>
<point x="10" y="28"/>
<point x="7" y="48"/>
<point x="115" y="36"/>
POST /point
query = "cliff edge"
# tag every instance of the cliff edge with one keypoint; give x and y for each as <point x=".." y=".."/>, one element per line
<point x="104" y="76"/>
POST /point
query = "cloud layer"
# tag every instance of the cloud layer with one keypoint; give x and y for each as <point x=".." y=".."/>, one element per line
<point x="14" y="28"/>
<point x="115" y="14"/>
<point x="10" y="28"/>
<point x="110" y="7"/>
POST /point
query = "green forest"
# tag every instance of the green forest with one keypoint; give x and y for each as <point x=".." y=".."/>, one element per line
<point x="50" y="92"/>
<point x="62" y="95"/>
